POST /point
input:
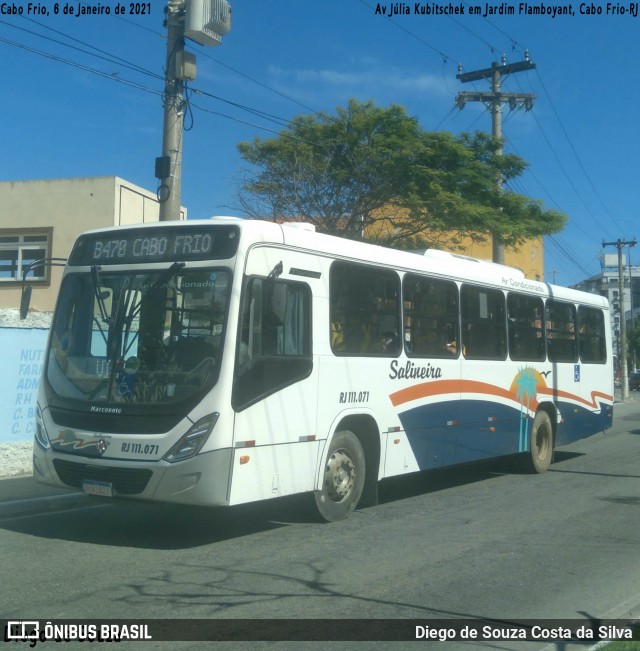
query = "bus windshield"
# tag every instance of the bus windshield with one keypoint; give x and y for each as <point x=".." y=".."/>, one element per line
<point x="143" y="337"/>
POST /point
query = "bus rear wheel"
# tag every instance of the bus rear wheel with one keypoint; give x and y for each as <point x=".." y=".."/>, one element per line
<point x="541" y="442"/>
<point x="343" y="477"/>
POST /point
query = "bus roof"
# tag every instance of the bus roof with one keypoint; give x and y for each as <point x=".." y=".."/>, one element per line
<point x="456" y="266"/>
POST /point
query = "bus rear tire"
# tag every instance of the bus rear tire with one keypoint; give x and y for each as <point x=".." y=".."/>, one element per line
<point x="541" y="442"/>
<point x="343" y="477"/>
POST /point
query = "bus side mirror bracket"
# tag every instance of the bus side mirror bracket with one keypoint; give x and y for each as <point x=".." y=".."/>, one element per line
<point x="25" y="297"/>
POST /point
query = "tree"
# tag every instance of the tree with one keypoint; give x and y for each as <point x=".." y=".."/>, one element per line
<point x="374" y="173"/>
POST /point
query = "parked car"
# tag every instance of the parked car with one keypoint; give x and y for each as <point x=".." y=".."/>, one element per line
<point x="634" y="381"/>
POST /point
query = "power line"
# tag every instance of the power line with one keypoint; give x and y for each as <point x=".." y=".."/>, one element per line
<point x="261" y="114"/>
<point x="568" y="178"/>
<point x="257" y="112"/>
<point x="515" y="43"/>
<point x="107" y="55"/>
<point x="510" y="38"/>
<point x="566" y="253"/>
<point x="573" y="149"/>
<point x="446" y="58"/>
<point x="492" y="48"/>
<point x="255" y="81"/>
<point x="138" y="86"/>
<point x="121" y="62"/>
<point x="283" y="134"/>
<point x="80" y="66"/>
<point x="206" y="55"/>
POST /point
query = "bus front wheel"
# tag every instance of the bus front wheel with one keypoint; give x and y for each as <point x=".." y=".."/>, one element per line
<point x="541" y="442"/>
<point x="343" y="477"/>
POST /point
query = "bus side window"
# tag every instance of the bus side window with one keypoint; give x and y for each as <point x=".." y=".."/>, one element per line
<point x="274" y="339"/>
<point x="430" y="317"/>
<point x="591" y="337"/>
<point x="562" y="344"/>
<point x="483" y="323"/>
<point x="526" y="335"/>
<point x="365" y="310"/>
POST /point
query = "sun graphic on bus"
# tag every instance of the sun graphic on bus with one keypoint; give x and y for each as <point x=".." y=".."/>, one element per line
<point x="525" y="386"/>
<point x="526" y="383"/>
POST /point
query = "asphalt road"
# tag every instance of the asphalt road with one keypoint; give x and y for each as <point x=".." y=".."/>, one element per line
<point x="484" y="541"/>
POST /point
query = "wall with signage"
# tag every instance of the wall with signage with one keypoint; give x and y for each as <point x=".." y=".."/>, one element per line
<point x="22" y="359"/>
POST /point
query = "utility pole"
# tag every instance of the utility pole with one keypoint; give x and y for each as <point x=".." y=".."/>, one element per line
<point x="169" y="166"/>
<point x="620" y="244"/>
<point x="494" y="100"/>
<point x="205" y="22"/>
<point x="633" y="354"/>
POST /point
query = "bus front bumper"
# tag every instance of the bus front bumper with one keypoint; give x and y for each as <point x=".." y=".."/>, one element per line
<point x="202" y="480"/>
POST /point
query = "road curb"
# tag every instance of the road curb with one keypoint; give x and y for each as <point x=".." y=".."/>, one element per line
<point x="38" y="505"/>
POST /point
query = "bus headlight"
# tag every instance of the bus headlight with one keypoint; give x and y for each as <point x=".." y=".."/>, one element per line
<point x="191" y="443"/>
<point x="41" y="436"/>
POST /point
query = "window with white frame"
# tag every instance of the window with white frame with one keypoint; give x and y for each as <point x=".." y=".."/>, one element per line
<point x="18" y="249"/>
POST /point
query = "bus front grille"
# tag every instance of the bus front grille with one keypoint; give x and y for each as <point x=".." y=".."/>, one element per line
<point x="125" y="481"/>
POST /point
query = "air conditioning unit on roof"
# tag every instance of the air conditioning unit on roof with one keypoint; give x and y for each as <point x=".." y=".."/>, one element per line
<point x="207" y="21"/>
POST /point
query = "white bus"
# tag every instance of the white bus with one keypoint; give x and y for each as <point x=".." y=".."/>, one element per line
<point x="224" y="361"/>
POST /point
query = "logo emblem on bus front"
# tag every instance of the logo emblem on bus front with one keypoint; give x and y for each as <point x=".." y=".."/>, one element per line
<point x="102" y="446"/>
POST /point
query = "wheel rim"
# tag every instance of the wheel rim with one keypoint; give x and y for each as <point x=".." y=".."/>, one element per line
<point x="339" y="475"/>
<point x="542" y="442"/>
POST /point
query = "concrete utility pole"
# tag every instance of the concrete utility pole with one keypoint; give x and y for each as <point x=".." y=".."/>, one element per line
<point x="169" y="166"/>
<point x="205" y="22"/>
<point x="620" y="244"/>
<point x="633" y="354"/>
<point x="494" y="100"/>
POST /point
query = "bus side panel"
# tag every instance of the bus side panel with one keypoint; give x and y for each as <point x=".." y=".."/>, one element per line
<point x="474" y="427"/>
<point x="261" y="473"/>
<point x="428" y="411"/>
<point x="277" y="436"/>
<point x="355" y="386"/>
<point x="489" y="429"/>
<point x="490" y="414"/>
<point x="586" y="405"/>
<point x="430" y="440"/>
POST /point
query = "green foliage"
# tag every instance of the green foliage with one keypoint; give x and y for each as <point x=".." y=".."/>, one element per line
<point x="374" y="170"/>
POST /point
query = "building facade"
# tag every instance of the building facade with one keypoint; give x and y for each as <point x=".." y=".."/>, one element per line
<point x="41" y="219"/>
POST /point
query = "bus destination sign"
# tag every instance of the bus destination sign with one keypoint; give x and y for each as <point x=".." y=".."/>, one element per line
<point x="165" y="244"/>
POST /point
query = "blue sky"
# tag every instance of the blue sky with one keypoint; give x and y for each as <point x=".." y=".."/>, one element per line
<point x="581" y="139"/>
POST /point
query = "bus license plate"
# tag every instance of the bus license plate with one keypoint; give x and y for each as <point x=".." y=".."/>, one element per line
<point x="101" y="488"/>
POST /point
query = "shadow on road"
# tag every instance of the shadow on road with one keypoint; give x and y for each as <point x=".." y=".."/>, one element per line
<point x="167" y="526"/>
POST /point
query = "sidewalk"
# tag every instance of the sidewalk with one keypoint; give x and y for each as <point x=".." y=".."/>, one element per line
<point x="634" y="396"/>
